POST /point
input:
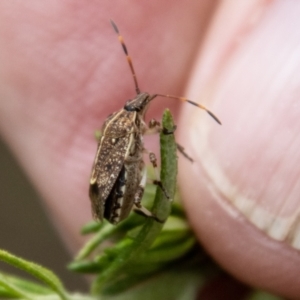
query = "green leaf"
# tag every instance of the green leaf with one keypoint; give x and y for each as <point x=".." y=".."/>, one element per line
<point x="39" y="272"/>
<point x="260" y="295"/>
<point x="98" y="135"/>
<point x="11" y="290"/>
<point x="179" y="284"/>
<point x="91" y="227"/>
<point x="92" y="244"/>
<point x="23" y="285"/>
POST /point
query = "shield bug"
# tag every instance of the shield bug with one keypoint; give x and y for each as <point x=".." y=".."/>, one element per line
<point x="119" y="175"/>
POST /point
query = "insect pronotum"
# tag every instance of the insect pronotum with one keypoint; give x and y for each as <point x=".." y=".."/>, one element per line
<point x="119" y="175"/>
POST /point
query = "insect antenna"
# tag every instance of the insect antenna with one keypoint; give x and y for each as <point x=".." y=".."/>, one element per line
<point x="193" y="103"/>
<point x="137" y="89"/>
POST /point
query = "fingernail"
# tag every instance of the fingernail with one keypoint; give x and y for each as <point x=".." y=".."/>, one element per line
<point x="253" y="158"/>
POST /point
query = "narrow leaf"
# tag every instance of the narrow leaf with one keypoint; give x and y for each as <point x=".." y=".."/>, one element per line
<point x="39" y="272"/>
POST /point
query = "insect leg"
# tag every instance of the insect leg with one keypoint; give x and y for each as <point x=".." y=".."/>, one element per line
<point x="155" y="127"/>
<point x="181" y="150"/>
<point x="157" y="181"/>
<point x="139" y="209"/>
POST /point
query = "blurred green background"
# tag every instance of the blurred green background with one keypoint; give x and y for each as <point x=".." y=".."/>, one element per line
<point x="24" y="227"/>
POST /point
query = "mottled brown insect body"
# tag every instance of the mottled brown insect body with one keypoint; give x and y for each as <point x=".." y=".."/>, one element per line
<point x="119" y="167"/>
<point x="119" y="175"/>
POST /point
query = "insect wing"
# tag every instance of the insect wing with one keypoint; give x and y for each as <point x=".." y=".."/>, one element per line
<point x="110" y="157"/>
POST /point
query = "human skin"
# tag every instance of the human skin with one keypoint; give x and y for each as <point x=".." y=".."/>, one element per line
<point x="63" y="71"/>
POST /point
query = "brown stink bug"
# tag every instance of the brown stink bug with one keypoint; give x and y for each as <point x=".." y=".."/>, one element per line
<point x="119" y="175"/>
